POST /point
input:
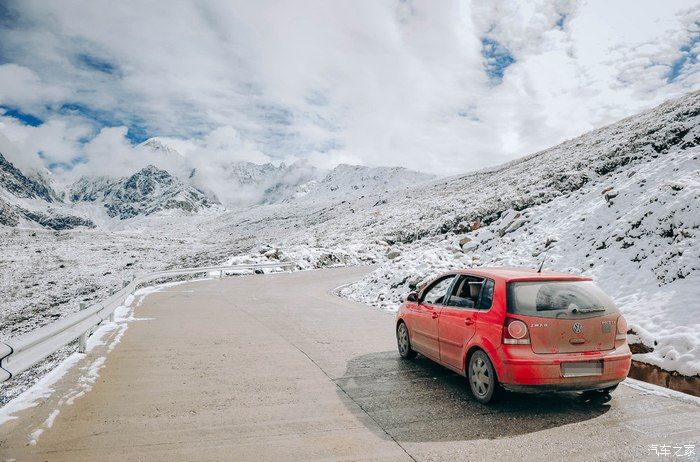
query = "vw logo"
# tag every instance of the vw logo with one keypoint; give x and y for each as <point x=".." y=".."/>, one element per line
<point x="577" y="327"/>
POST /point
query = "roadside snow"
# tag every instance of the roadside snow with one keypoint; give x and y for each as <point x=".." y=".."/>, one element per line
<point x="104" y="339"/>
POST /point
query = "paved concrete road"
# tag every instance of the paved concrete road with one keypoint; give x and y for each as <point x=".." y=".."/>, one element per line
<point x="276" y="368"/>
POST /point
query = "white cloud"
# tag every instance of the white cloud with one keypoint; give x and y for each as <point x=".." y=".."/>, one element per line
<point x="20" y="86"/>
<point x="373" y="82"/>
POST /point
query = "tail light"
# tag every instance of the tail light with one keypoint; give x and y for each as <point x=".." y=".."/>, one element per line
<point x="515" y="332"/>
<point x="621" y="329"/>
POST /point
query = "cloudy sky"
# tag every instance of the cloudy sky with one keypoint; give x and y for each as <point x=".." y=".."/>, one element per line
<point x="436" y="86"/>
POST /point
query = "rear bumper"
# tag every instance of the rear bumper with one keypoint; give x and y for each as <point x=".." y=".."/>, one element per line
<point x="524" y="370"/>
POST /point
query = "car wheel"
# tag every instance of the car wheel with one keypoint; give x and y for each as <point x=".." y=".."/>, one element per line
<point x="404" y="343"/>
<point x="482" y="378"/>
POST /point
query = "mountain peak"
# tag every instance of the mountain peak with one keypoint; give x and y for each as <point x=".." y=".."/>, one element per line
<point x="161" y="146"/>
<point x="147" y="191"/>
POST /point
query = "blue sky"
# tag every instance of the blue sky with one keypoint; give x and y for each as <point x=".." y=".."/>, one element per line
<point x="443" y="87"/>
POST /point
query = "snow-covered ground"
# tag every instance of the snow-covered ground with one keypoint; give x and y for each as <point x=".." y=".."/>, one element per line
<point x="620" y="204"/>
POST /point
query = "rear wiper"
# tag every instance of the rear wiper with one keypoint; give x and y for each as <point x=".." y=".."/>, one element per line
<point x="588" y="310"/>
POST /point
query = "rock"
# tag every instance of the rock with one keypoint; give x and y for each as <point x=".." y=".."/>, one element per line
<point x="413" y="281"/>
<point x="549" y="242"/>
<point x="469" y="247"/>
<point x="611" y="195"/>
<point x="640" y="348"/>
<point x="464" y="241"/>
<point x="392" y="254"/>
<point x="273" y="253"/>
<point x="509" y="222"/>
<point x="56" y="220"/>
<point x="461" y="228"/>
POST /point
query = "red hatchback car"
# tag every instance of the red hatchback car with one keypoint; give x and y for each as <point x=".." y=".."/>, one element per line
<point x="518" y="329"/>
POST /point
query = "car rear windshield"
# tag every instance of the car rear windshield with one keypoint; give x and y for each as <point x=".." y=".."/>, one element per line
<point x="558" y="299"/>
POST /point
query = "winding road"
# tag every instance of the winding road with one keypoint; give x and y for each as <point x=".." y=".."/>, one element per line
<point x="275" y="367"/>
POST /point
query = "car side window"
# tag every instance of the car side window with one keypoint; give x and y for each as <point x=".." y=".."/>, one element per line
<point x="465" y="292"/>
<point x="436" y="294"/>
<point x="486" y="296"/>
<point x="459" y="296"/>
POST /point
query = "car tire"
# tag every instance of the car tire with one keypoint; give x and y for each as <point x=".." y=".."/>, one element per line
<point x="404" y="342"/>
<point x="609" y="389"/>
<point x="600" y="391"/>
<point x="483" y="381"/>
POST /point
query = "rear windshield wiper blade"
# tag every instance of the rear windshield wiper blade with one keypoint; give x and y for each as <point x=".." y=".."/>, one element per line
<point x="588" y="310"/>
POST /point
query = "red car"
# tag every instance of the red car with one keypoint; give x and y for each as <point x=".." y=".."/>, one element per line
<point x="518" y="329"/>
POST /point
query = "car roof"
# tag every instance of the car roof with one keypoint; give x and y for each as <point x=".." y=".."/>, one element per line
<point x="519" y="273"/>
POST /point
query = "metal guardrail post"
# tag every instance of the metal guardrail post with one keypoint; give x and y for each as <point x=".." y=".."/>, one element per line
<point x="82" y="340"/>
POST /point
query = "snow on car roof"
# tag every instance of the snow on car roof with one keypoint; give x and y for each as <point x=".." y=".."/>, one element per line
<point x="515" y="273"/>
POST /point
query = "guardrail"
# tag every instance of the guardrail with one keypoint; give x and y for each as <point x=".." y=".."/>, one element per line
<point x="20" y="353"/>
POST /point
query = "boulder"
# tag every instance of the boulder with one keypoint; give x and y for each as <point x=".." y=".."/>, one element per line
<point x="393" y="253"/>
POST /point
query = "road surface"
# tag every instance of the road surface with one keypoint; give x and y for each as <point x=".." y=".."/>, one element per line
<point x="276" y="368"/>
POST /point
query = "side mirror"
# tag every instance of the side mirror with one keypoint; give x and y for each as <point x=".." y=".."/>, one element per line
<point x="412" y="297"/>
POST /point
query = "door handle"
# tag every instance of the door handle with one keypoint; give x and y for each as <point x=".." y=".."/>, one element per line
<point x="435" y="315"/>
<point x="468" y="321"/>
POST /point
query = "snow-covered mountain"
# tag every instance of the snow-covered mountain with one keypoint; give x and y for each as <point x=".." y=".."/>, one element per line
<point x="146" y="192"/>
<point x="355" y="181"/>
<point x="240" y="184"/>
<point x="161" y="146"/>
<point x="246" y="183"/>
<point x="13" y="181"/>
<point x="27" y="200"/>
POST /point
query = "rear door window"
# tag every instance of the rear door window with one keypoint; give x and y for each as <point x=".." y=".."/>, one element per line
<point x="558" y="299"/>
<point x="465" y="292"/>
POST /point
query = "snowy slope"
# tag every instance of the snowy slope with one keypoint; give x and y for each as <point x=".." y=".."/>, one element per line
<point x="355" y="181"/>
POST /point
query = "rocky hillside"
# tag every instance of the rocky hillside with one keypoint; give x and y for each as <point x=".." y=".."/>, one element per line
<point x="146" y="192"/>
<point x="25" y="200"/>
<point x="16" y="183"/>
